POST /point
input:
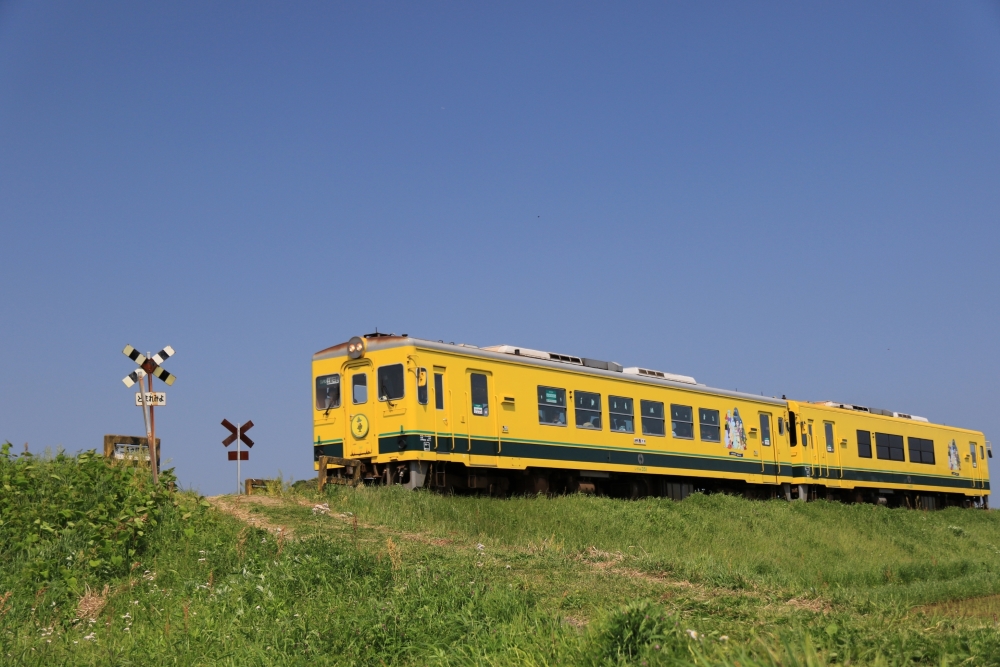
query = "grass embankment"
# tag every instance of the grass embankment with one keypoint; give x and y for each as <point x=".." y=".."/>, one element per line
<point x="395" y="577"/>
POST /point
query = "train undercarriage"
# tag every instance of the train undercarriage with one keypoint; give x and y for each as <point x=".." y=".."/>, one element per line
<point x="456" y="478"/>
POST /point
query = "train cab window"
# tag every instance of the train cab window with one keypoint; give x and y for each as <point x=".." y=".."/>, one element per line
<point x="551" y="406"/>
<point x="781" y="426"/>
<point x="982" y="454"/>
<point x="588" y="410"/>
<point x="439" y="391"/>
<point x="359" y="388"/>
<point x="765" y="429"/>
<point x="681" y="421"/>
<point x="328" y="392"/>
<point x="390" y="382"/>
<point x="921" y="450"/>
<point x="708" y="424"/>
<point x="806" y="433"/>
<point x="652" y="418"/>
<point x="422" y="386"/>
<point x="889" y="447"/>
<point x="864" y="444"/>
<point x="480" y="395"/>
<point x="972" y="451"/>
<point x="792" y="432"/>
<point x="828" y="435"/>
<point x="620" y="414"/>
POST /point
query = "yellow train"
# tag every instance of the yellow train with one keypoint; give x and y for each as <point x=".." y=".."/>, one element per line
<point x="396" y="409"/>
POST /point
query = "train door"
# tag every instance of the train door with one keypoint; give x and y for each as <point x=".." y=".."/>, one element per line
<point x="443" y="429"/>
<point x="361" y="409"/>
<point x="832" y="466"/>
<point x="977" y="466"/>
<point x="769" y="451"/>
<point x="809" y="454"/>
<point x="328" y="422"/>
<point x="480" y="406"/>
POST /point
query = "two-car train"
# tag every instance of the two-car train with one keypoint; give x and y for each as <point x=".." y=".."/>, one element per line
<point x="395" y="409"/>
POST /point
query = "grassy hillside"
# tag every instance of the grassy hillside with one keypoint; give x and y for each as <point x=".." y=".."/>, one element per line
<point x="387" y="576"/>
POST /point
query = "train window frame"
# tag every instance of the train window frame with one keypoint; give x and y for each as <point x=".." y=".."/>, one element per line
<point x="919" y="448"/>
<point x="689" y="424"/>
<point x="653" y="419"/>
<point x="382" y="374"/>
<point x="706" y="426"/>
<point x="327" y="384"/>
<point x="422" y="390"/>
<point x="889" y="439"/>
<point x="482" y="392"/>
<point x="867" y="436"/>
<point x="618" y="415"/>
<point x="765" y="428"/>
<point x="587" y="414"/>
<point x="543" y="407"/>
<point x="355" y="385"/>
<point x="439" y="391"/>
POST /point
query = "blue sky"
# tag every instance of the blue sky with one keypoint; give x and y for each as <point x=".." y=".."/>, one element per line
<point x="796" y="199"/>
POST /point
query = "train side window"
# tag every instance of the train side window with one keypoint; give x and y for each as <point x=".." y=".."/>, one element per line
<point x="390" y="382"/>
<point x="551" y="406"/>
<point x="708" y="424"/>
<point x="807" y="431"/>
<point x="792" y="433"/>
<point x="864" y="444"/>
<point x="480" y="395"/>
<point x="588" y="410"/>
<point x="781" y="426"/>
<point x="972" y="450"/>
<point x="921" y="450"/>
<point x="765" y="429"/>
<point x="439" y="391"/>
<point x="328" y="392"/>
<point x="620" y="414"/>
<point x="422" y="386"/>
<point x="982" y="454"/>
<point x="681" y="421"/>
<point x="828" y="434"/>
<point x="652" y="418"/>
<point x="359" y="388"/>
<point x="889" y="447"/>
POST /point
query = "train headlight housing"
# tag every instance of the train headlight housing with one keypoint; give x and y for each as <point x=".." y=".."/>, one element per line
<point x="356" y="347"/>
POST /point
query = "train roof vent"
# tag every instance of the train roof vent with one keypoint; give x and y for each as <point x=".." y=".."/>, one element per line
<point x="535" y="354"/>
<point x="916" y="418"/>
<point x="645" y="372"/>
<point x="846" y="406"/>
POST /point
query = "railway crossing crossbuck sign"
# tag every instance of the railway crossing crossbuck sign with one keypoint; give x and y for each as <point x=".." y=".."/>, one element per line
<point x="149" y="367"/>
<point x="238" y="434"/>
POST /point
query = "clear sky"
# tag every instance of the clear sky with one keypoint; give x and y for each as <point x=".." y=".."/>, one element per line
<point x="796" y="199"/>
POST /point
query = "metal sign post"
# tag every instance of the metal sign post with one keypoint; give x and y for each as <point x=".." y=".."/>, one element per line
<point x="149" y="367"/>
<point x="237" y="434"/>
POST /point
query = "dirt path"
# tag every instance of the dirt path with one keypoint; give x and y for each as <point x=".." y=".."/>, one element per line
<point x="239" y="507"/>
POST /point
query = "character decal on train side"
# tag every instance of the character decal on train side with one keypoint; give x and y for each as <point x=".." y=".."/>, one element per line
<point x="954" y="463"/>
<point x="736" y="436"/>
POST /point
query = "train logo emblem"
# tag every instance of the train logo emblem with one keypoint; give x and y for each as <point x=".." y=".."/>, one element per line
<point x="359" y="426"/>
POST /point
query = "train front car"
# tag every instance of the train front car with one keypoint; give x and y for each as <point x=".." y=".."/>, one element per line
<point x="394" y="409"/>
<point x="858" y="454"/>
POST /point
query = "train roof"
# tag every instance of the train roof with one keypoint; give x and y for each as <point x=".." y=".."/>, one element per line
<point x="562" y="362"/>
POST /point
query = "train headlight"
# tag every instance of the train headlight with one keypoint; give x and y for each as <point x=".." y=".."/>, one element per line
<point x="356" y="347"/>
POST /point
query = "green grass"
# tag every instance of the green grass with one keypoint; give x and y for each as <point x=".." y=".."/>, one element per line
<point x="397" y="577"/>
